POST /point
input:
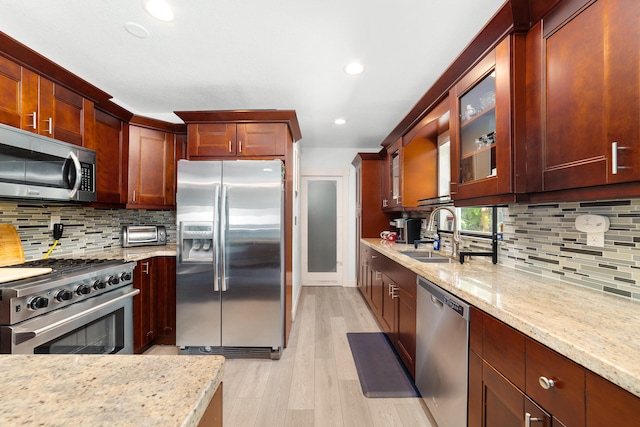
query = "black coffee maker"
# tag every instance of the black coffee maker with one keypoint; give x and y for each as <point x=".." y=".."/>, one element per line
<point x="408" y="230"/>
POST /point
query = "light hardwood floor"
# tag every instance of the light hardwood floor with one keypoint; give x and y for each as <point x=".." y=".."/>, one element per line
<point x="315" y="382"/>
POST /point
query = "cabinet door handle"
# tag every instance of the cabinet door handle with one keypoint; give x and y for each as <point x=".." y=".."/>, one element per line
<point x="49" y="122"/>
<point x="239" y="146"/>
<point x="528" y="419"/>
<point x="614" y="157"/>
<point x="546" y="383"/>
<point x="146" y="267"/>
<point x="34" y="121"/>
<point x="229" y="145"/>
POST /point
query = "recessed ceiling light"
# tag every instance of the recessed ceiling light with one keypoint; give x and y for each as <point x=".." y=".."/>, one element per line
<point x="354" y="68"/>
<point x="136" y="29"/>
<point x="340" y="121"/>
<point x="159" y="9"/>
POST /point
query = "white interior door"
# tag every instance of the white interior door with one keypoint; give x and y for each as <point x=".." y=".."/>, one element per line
<point x="322" y="229"/>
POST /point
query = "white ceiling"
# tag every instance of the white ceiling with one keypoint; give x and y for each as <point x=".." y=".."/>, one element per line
<point x="259" y="54"/>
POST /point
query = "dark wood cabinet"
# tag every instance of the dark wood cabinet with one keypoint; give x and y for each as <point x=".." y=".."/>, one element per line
<point x="154" y="308"/>
<point x="370" y="219"/>
<point x="556" y="383"/>
<point x="237" y="139"/>
<point x="377" y="284"/>
<point x="144" y="307"/>
<point x="390" y="292"/>
<point x="511" y="375"/>
<point x="393" y="176"/>
<point x="112" y="153"/>
<point x="34" y="103"/>
<point x="389" y="307"/>
<point x="151" y="172"/>
<point x="501" y="403"/>
<point x="10" y="93"/>
<point x="487" y="127"/>
<point x="609" y="405"/>
<point x="165" y="279"/>
<point x="583" y="80"/>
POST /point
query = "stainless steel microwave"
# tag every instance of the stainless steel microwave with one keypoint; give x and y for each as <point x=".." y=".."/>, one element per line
<point x="36" y="167"/>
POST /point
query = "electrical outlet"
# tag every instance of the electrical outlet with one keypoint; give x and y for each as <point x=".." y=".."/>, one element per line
<point x="55" y="219"/>
<point x="595" y="239"/>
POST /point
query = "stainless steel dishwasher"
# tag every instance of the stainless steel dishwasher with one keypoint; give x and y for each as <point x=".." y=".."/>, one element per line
<point x="442" y="351"/>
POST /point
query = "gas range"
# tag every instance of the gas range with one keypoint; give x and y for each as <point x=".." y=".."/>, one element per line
<point x="69" y="282"/>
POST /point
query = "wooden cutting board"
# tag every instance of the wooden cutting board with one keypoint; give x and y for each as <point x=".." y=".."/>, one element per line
<point x="11" y="252"/>
<point x="9" y="274"/>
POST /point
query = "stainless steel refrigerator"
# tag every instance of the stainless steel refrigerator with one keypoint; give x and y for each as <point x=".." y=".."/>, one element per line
<point x="230" y="259"/>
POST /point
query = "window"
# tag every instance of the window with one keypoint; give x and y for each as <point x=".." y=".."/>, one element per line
<point x="473" y="220"/>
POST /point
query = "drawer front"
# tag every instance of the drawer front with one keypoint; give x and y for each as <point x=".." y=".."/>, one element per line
<point x="564" y="399"/>
<point x="503" y="348"/>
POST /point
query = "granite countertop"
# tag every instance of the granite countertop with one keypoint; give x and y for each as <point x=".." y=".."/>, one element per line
<point x="107" y="390"/>
<point x="598" y="331"/>
<point x="132" y="254"/>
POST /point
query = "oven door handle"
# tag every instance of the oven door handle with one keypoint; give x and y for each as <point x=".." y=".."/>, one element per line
<point x="20" y="337"/>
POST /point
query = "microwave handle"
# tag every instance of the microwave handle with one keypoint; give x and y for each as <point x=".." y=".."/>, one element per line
<point x="76" y="163"/>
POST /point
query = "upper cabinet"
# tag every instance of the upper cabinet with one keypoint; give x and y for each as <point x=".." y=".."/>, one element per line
<point x="412" y="162"/>
<point x="34" y="103"/>
<point x="153" y="154"/>
<point x="583" y="109"/>
<point x="487" y="123"/>
<point x="246" y="134"/>
<point x="237" y="140"/>
<point x="393" y="182"/>
<point x="111" y="158"/>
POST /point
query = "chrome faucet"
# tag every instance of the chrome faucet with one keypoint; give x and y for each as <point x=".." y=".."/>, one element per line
<point x="456" y="234"/>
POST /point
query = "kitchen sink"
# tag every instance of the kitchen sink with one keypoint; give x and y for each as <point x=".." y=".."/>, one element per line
<point x="427" y="257"/>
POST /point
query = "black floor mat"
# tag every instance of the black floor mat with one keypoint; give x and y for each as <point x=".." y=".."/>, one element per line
<point x="380" y="370"/>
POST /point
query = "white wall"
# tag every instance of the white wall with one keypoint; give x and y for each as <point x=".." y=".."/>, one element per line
<point x="338" y="158"/>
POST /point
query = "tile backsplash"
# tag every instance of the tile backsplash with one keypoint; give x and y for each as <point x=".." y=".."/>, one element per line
<point x="539" y="239"/>
<point x="542" y="239"/>
<point x="85" y="228"/>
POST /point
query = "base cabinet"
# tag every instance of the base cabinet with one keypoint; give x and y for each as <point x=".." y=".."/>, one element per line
<point x="516" y="381"/>
<point x="154" y="307"/>
<point x="390" y="291"/>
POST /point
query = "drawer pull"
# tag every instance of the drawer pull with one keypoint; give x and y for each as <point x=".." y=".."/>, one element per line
<point x="546" y="383"/>
<point x="528" y="419"/>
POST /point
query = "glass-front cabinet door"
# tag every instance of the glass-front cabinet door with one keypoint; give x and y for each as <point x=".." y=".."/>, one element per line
<point x="485" y="123"/>
<point x="478" y="131"/>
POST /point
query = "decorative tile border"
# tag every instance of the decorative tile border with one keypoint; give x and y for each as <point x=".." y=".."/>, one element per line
<point x="85" y="228"/>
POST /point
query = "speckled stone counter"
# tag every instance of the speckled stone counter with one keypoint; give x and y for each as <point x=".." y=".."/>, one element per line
<point x="132" y="254"/>
<point x="112" y="390"/>
<point x="598" y="331"/>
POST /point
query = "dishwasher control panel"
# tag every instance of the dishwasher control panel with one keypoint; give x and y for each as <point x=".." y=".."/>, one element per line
<point x="455" y="306"/>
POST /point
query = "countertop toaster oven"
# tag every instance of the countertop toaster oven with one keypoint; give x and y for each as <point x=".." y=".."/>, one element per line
<point x="143" y="235"/>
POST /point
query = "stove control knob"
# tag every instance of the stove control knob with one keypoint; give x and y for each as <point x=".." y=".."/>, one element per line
<point x="113" y="280"/>
<point x="83" y="290"/>
<point x="38" y="302"/>
<point x="125" y="276"/>
<point x="63" y="295"/>
<point x="99" y="284"/>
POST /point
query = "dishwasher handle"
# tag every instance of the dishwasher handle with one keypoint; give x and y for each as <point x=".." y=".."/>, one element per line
<point x="444" y="298"/>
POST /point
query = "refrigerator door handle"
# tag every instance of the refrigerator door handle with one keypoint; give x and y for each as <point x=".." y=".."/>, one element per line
<point x="216" y="239"/>
<point x="223" y="237"/>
